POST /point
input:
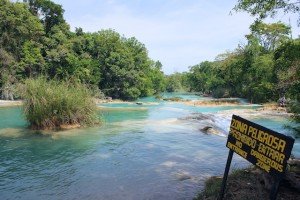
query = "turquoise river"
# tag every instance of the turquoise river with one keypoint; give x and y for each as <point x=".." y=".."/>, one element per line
<point x="153" y="151"/>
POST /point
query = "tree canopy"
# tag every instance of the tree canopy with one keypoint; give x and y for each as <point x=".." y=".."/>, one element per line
<point x="268" y="8"/>
<point x="286" y="65"/>
<point x="36" y="40"/>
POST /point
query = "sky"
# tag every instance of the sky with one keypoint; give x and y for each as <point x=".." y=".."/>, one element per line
<point x="178" y="33"/>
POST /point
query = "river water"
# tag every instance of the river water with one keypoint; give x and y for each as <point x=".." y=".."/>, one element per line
<point x="150" y="151"/>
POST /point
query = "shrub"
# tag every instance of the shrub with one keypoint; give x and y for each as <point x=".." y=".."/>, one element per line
<point x="51" y="104"/>
<point x="294" y="108"/>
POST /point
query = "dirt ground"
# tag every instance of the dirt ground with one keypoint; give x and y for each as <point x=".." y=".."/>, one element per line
<point x="250" y="185"/>
<point x="247" y="184"/>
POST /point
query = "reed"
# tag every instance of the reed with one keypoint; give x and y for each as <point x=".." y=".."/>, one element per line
<point x="53" y="104"/>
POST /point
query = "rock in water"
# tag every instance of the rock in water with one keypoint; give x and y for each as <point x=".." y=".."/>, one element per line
<point x="182" y="176"/>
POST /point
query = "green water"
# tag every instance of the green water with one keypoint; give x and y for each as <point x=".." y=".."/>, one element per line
<point x="151" y="153"/>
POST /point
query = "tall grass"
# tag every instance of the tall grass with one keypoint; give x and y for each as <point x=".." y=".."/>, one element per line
<point x="49" y="104"/>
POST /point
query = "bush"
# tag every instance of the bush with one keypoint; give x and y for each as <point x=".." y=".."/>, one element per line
<point x="51" y="104"/>
<point x="221" y="92"/>
<point x="294" y="108"/>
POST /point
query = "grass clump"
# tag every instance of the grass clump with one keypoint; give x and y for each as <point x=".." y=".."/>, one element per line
<point x="54" y="104"/>
<point x="242" y="184"/>
<point x="173" y="99"/>
<point x="211" y="189"/>
<point x="249" y="184"/>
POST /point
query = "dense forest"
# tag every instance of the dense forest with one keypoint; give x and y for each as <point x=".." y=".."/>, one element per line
<point x="36" y="40"/>
<point x="264" y="69"/>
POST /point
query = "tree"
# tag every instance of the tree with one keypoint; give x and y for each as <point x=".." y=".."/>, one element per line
<point x="232" y="72"/>
<point x="205" y="77"/>
<point x="173" y="82"/>
<point x="17" y="25"/>
<point x="126" y="70"/>
<point x="270" y="36"/>
<point x="287" y="69"/>
<point x="158" y="78"/>
<point x="50" y="13"/>
<point x="268" y="8"/>
<point x="35" y="40"/>
<point x="7" y="74"/>
<point x="31" y="60"/>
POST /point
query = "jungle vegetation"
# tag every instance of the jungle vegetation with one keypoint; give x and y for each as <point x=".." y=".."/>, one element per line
<point x="35" y="40"/>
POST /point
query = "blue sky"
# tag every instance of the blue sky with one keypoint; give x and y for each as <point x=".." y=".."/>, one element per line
<point x="178" y="33"/>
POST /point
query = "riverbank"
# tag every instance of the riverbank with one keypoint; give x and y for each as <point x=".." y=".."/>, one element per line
<point x="270" y="109"/>
<point x="230" y="102"/>
<point x="215" y="102"/>
<point x="251" y="183"/>
<point x="5" y="103"/>
<point x="259" y="112"/>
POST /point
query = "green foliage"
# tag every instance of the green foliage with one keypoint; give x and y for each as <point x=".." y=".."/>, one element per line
<point x="212" y="188"/>
<point x="48" y="104"/>
<point x="247" y="72"/>
<point x="270" y="36"/>
<point x="205" y="77"/>
<point x="50" y="12"/>
<point x="17" y="25"/>
<point x="173" y="99"/>
<point x="7" y="71"/>
<point x="221" y="92"/>
<point x="294" y="107"/>
<point x="128" y="73"/>
<point x="173" y="83"/>
<point x="287" y="70"/>
<point x="35" y="40"/>
<point x="267" y="8"/>
<point x="32" y="61"/>
<point x="158" y="80"/>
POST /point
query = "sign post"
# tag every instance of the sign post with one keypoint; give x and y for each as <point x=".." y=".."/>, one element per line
<point x="230" y="154"/>
<point x="267" y="149"/>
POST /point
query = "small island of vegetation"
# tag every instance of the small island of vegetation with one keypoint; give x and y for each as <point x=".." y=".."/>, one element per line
<point x="53" y="104"/>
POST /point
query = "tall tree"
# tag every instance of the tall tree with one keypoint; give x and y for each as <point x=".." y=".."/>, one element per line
<point x="173" y="82"/>
<point x="17" y="25"/>
<point x="31" y="62"/>
<point x="158" y="78"/>
<point x="50" y="13"/>
<point x="287" y="69"/>
<point x="205" y="77"/>
<point x="270" y="36"/>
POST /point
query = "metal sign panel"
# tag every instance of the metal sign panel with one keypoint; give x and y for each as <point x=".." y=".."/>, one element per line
<point x="261" y="146"/>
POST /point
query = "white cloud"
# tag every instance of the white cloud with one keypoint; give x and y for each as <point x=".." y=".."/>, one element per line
<point x="176" y="32"/>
